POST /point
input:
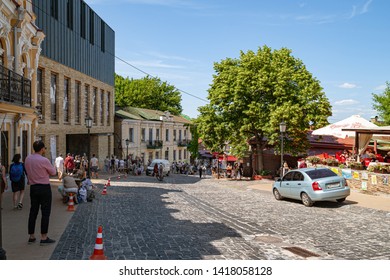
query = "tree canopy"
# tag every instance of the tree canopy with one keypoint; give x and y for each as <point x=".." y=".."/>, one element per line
<point x="250" y="96"/>
<point x="382" y="104"/>
<point x="148" y="93"/>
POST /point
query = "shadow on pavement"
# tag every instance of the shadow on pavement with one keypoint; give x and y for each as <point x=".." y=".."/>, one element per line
<point x="139" y="223"/>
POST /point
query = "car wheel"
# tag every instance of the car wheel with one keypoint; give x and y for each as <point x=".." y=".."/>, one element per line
<point x="277" y="195"/>
<point x="306" y="200"/>
<point x="340" y="200"/>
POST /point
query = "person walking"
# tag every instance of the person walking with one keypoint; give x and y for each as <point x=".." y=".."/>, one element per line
<point x="94" y="166"/>
<point x="59" y="163"/>
<point x="3" y="182"/>
<point x="39" y="169"/>
<point x="17" y="176"/>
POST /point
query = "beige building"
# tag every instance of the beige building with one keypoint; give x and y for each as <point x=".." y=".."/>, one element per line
<point x="20" y="48"/>
<point x="151" y="134"/>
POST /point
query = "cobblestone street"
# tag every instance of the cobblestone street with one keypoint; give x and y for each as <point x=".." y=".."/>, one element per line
<point x="186" y="218"/>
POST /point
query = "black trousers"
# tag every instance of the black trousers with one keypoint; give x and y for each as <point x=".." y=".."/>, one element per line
<point x="41" y="197"/>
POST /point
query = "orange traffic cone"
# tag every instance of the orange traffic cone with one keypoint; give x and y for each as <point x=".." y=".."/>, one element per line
<point x="71" y="203"/>
<point x="104" y="189"/>
<point x="98" y="253"/>
<point x="109" y="182"/>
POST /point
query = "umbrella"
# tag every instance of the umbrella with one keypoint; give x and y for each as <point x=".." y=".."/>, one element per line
<point x="352" y="122"/>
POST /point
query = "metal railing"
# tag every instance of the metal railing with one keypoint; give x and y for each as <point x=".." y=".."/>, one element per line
<point x="14" y="87"/>
<point x="156" y="144"/>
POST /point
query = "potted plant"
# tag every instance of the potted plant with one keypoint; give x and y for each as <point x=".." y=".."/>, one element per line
<point x="313" y="160"/>
<point x="356" y="165"/>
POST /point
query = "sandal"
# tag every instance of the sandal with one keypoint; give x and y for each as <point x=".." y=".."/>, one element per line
<point x="20" y="205"/>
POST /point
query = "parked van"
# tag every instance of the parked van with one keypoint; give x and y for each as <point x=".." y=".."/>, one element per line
<point x="165" y="163"/>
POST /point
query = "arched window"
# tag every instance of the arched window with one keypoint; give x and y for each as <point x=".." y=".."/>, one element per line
<point x="2" y="52"/>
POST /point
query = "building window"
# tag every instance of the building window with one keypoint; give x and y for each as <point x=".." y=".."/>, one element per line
<point x="82" y="19"/>
<point x="180" y="135"/>
<point x="185" y="154"/>
<point x="40" y="94"/>
<point x="108" y="108"/>
<point x="53" y="97"/>
<point x="143" y="134"/>
<point x="150" y="134"/>
<point x="54" y="8"/>
<point x="167" y="155"/>
<point x="86" y="101"/>
<point x="77" y="88"/>
<point x="101" y="107"/>
<point x="157" y="154"/>
<point x="91" y="27"/>
<point x="174" y="135"/>
<point x="167" y="134"/>
<point x="157" y="134"/>
<point x="179" y="154"/>
<point x="66" y="99"/>
<point x="131" y="134"/>
<point x="174" y="155"/>
<point x="94" y="106"/>
<point x="103" y="36"/>
<point x="69" y="13"/>
<point x="150" y="156"/>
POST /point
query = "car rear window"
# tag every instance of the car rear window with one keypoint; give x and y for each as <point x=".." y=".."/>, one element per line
<point x="320" y="173"/>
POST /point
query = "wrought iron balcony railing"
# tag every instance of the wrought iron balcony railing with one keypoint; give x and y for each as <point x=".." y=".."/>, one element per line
<point x="183" y="143"/>
<point x="14" y="87"/>
<point x="156" y="144"/>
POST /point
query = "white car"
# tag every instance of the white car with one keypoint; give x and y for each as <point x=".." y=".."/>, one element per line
<point x="164" y="162"/>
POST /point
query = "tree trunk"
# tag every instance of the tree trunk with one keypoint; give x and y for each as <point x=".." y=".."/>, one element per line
<point x="260" y="159"/>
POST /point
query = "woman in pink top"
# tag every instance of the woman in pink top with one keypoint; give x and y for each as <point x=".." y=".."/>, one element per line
<point x="39" y="169"/>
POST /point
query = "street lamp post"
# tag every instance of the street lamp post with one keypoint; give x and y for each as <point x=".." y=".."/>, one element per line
<point x="127" y="153"/>
<point x="88" y="124"/>
<point x="282" y="127"/>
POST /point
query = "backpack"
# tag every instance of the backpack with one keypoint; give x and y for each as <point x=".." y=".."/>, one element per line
<point x="16" y="172"/>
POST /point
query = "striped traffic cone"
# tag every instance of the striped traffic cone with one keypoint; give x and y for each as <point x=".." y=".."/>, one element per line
<point x="104" y="192"/>
<point x="109" y="182"/>
<point x="71" y="202"/>
<point x="98" y="253"/>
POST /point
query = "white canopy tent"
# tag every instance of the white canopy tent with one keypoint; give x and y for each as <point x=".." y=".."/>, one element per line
<point x="347" y="128"/>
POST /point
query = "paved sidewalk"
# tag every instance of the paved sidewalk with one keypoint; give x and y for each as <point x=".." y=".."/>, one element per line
<point x="14" y="226"/>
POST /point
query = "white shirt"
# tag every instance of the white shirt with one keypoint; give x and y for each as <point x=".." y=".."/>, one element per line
<point x="94" y="161"/>
<point x="59" y="162"/>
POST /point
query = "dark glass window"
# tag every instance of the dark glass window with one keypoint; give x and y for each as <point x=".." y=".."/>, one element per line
<point x="53" y="96"/>
<point x="54" y="8"/>
<point x="66" y="100"/>
<point x="91" y="27"/>
<point x="320" y="173"/>
<point x="103" y="36"/>
<point x="82" y="19"/>
<point x="77" y="101"/>
<point x="86" y="101"/>
<point x="69" y="13"/>
<point x="94" y="105"/>
<point x="40" y="94"/>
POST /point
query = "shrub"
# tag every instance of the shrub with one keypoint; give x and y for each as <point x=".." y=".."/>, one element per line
<point x="313" y="159"/>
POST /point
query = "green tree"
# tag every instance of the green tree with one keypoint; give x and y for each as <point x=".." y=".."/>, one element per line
<point x="148" y="93"/>
<point x="250" y="96"/>
<point x="193" y="146"/>
<point x="382" y="104"/>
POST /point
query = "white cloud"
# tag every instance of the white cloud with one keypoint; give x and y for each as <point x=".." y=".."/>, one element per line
<point x="348" y="85"/>
<point x="346" y="102"/>
<point x="356" y="10"/>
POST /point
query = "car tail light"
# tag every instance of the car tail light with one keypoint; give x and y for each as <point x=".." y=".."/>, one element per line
<point x="316" y="186"/>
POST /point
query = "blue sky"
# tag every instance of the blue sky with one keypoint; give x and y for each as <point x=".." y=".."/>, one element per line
<point x="344" y="44"/>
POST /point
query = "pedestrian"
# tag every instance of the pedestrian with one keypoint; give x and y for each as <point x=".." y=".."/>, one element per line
<point x="59" y="163"/>
<point x="17" y="176"/>
<point x="39" y="169"/>
<point x="3" y="182"/>
<point x="107" y="164"/>
<point x="94" y="166"/>
<point x="200" y="169"/>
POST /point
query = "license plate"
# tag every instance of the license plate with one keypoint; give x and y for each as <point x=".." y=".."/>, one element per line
<point x="334" y="185"/>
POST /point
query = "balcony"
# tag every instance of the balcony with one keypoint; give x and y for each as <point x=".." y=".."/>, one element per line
<point x="183" y="143"/>
<point x="156" y="144"/>
<point x="14" y="87"/>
